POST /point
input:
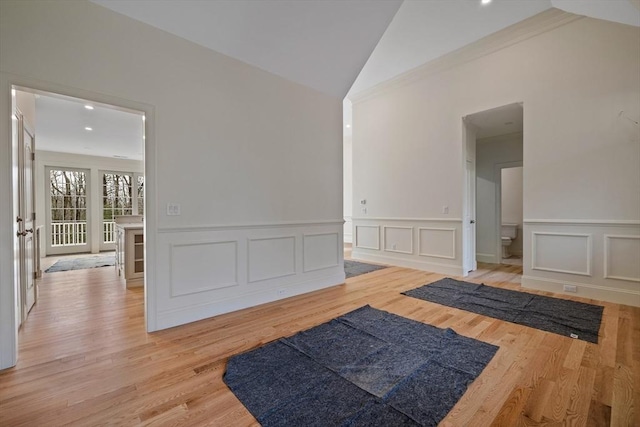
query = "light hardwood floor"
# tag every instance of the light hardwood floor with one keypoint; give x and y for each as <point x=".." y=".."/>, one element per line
<point x="85" y="358"/>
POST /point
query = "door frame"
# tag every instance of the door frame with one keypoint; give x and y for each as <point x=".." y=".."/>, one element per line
<point x="469" y="261"/>
<point x="9" y="274"/>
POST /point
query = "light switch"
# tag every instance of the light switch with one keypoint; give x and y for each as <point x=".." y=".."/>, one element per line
<point x="173" y="209"/>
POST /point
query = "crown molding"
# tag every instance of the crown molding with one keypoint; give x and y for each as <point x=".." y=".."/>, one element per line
<point x="516" y="33"/>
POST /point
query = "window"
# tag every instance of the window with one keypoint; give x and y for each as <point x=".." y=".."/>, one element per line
<point x="68" y="207"/>
<point x="117" y="199"/>
<point x="140" y="180"/>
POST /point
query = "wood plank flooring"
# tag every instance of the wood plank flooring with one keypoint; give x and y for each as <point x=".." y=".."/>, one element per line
<point x="85" y="358"/>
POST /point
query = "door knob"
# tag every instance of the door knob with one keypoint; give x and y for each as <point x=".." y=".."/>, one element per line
<point x="473" y="221"/>
<point x="29" y="230"/>
<point x="21" y="233"/>
<point x="18" y="219"/>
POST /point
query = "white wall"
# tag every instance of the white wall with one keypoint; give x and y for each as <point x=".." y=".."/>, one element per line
<point x="248" y="156"/>
<point x="581" y="160"/>
<point x="95" y="165"/>
<point x="511" y="204"/>
<point x="491" y="154"/>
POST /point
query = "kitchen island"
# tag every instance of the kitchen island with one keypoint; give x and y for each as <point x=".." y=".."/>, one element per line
<point x="129" y="241"/>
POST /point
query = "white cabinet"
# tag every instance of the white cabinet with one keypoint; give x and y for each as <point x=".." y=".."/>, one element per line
<point x="130" y="253"/>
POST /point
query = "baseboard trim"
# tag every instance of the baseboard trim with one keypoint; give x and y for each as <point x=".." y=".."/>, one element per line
<point x="450" y="270"/>
<point x="602" y="293"/>
<point x="488" y="258"/>
<point x="170" y="318"/>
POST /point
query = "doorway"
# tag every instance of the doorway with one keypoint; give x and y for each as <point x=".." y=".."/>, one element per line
<point x="10" y="300"/>
<point x="88" y="166"/>
<point x="509" y="212"/>
<point x="493" y="140"/>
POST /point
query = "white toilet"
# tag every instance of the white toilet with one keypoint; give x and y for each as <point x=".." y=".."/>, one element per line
<point x="508" y="233"/>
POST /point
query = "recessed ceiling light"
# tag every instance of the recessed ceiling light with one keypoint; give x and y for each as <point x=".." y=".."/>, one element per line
<point x="88" y="128"/>
<point x="485" y="1"/>
<point x="88" y="107"/>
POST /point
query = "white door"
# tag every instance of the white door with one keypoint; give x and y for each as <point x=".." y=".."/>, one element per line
<point x="469" y="220"/>
<point x="26" y="217"/>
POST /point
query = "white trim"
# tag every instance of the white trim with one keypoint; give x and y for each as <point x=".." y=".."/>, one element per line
<point x="526" y="29"/>
<point x="602" y="293"/>
<point x="305" y="235"/>
<point x="594" y="222"/>
<point x="384" y="239"/>
<point x="533" y="253"/>
<point x="295" y="268"/>
<point x="453" y="245"/>
<point x="377" y="227"/>
<point x="448" y="269"/>
<point x="608" y="237"/>
<point x="173" y="292"/>
<point x="221" y="227"/>
<point x="371" y="218"/>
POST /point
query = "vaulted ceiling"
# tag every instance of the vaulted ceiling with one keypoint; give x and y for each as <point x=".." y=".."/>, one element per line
<point x="338" y="47"/>
<point x="324" y="44"/>
<point x="320" y="44"/>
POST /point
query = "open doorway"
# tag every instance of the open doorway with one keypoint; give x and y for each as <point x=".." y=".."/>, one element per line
<point x="493" y="142"/>
<point x="511" y="217"/>
<point x="87" y="174"/>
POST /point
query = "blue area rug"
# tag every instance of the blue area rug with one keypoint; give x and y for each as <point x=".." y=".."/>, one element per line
<point x="366" y="368"/>
<point x="356" y="268"/>
<point x="560" y="316"/>
<point x="82" y="263"/>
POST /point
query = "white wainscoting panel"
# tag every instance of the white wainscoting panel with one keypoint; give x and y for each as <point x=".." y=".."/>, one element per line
<point x="203" y="266"/>
<point x="597" y="258"/>
<point x="320" y="251"/>
<point x="398" y="239"/>
<point x="622" y="257"/>
<point x="368" y="237"/>
<point x="428" y="244"/>
<point x="203" y="271"/>
<point x="561" y="252"/>
<point x="271" y="258"/>
<point x="437" y="242"/>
